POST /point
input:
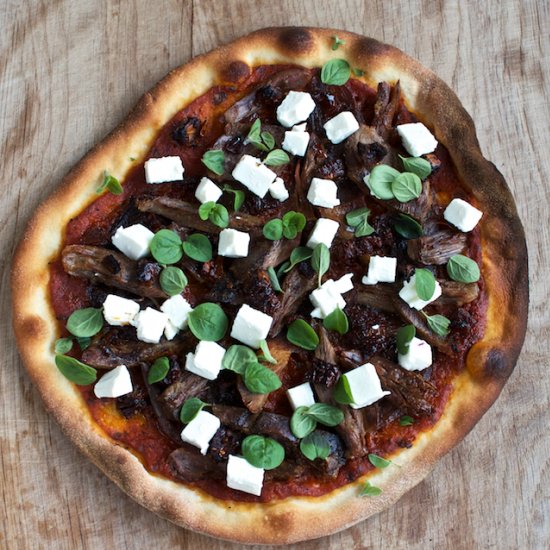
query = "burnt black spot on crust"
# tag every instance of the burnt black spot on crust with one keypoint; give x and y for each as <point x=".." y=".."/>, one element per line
<point x="295" y="40"/>
<point x="235" y="72"/>
<point x="369" y="47"/>
<point x="497" y="365"/>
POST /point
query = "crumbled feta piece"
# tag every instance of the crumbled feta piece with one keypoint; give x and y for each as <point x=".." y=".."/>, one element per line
<point x="150" y="325"/>
<point x="295" y="107"/>
<point x="323" y="193"/>
<point x="296" y="142"/>
<point x="177" y="308"/>
<point x="251" y="326"/>
<point x="242" y="476"/>
<point x="300" y="127"/>
<point x="365" y="386"/>
<point x="416" y="139"/>
<point x="170" y="330"/>
<point x="462" y="215"/>
<point x="163" y="169"/>
<point x="114" y="383"/>
<point x="344" y="284"/>
<point x="327" y="298"/>
<point x="119" y="311"/>
<point x="301" y="396"/>
<point x="381" y="270"/>
<point x="409" y="294"/>
<point x="324" y="232"/>
<point x="418" y="356"/>
<point x="201" y="430"/>
<point x="341" y="127"/>
<point x="206" y="361"/>
<point x="278" y="190"/>
<point x="133" y="241"/>
<point x="254" y="175"/>
<point x="233" y="243"/>
<point x="207" y="191"/>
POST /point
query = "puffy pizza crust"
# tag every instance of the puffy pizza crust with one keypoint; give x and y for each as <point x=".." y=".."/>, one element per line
<point x="489" y="362"/>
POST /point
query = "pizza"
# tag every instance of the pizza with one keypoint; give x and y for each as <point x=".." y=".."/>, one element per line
<point x="279" y="291"/>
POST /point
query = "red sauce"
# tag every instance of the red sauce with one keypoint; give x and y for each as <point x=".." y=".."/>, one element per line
<point x="140" y="433"/>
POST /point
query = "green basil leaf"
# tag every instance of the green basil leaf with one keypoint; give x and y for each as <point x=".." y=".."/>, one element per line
<point x="166" y="247"/>
<point x="208" y="322"/>
<point x="281" y="270"/>
<point x="262" y="452"/>
<point x="439" y="324"/>
<point x="315" y="445"/>
<point x="301" y="424"/>
<point x="293" y="223"/>
<point x="302" y="335"/>
<point x="214" y="160"/>
<point x="378" y="461"/>
<point x="254" y="132"/>
<point x="110" y="183"/>
<point x="191" y="408"/>
<point x="380" y="181"/>
<point x="83" y="341"/>
<point x="425" y="283"/>
<point x="172" y="280"/>
<point x="237" y="358"/>
<point x="158" y="371"/>
<point x="63" y="345"/>
<point x="260" y="379"/>
<point x="406" y="420"/>
<point x="406" y="187"/>
<point x="404" y="337"/>
<point x="337" y="321"/>
<point x="335" y="72"/>
<point x="267" y="354"/>
<point x="277" y="157"/>
<point x="370" y="490"/>
<point x="408" y="227"/>
<point x="328" y="415"/>
<point x="85" y="322"/>
<point x="75" y="371"/>
<point x="205" y="209"/>
<point x="268" y="140"/>
<point x="417" y="165"/>
<point x="320" y="260"/>
<point x="336" y="43"/>
<point x="274" y="279"/>
<point x="359" y="220"/>
<point x="219" y="216"/>
<point x="358" y="72"/>
<point x="463" y="269"/>
<point x="273" y="230"/>
<point x="342" y="391"/>
<point x="198" y="247"/>
<point x="299" y="254"/>
<point x="239" y="196"/>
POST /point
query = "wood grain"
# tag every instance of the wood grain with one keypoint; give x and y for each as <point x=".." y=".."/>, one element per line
<point x="71" y="70"/>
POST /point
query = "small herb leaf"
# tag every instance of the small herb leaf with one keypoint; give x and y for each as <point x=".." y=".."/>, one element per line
<point x="359" y="220"/>
<point x="274" y="279"/>
<point x="75" y="371"/>
<point x="463" y="269"/>
<point x="378" y="461"/>
<point x="336" y="43"/>
<point x="85" y="322"/>
<point x="273" y="230"/>
<point x="198" y="247"/>
<point x="166" y="247"/>
<point x="299" y="254"/>
<point x="342" y="391"/>
<point x="277" y="157"/>
<point x="214" y="160"/>
<point x="110" y="183"/>
<point x="380" y="181"/>
<point x="370" y="490"/>
<point x="302" y="335"/>
<point x="63" y="345"/>
<point x="302" y="424"/>
<point x="237" y="358"/>
<point x="267" y="354"/>
<point x="191" y="408"/>
<point x="406" y="420"/>
<point x="158" y="371"/>
<point x="328" y="415"/>
<point x="239" y="196"/>
<point x="208" y="322"/>
<point x="439" y="324"/>
<point x="172" y="280"/>
<point x="262" y="452"/>
<point x="315" y="445"/>
<point x="425" y="283"/>
<point x="320" y="260"/>
<point x="337" y="321"/>
<point x="406" y="186"/>
<point x="293" y="223"/>
<point x="417" y="165"/>
<point x="261" y="379"/>
<point x="408" y="227"/>
<point x="358" y="72"/>
<point x="335" y="72"/>
<point x="404" y="337"/>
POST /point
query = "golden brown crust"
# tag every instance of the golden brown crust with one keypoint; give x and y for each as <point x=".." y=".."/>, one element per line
<point x="489" y="363"/>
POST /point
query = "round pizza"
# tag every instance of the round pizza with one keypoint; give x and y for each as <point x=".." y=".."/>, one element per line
<point x="279" y="291"/>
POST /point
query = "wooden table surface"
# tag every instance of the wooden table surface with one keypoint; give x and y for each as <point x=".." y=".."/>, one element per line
<point x="71" y="70"/>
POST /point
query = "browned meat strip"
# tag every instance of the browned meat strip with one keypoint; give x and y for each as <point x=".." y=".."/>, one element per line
<point x="420" y="208"/>
<point x="385" y="108"/>
<point x="409" y="391"/>
<point x="379" y="296"/>
<point x="175" y="395"/>
<point x="457" y="294"/>
<point x="436" y="249"/>
<point x="187" y="464"/>
<point x="100" y="265"/>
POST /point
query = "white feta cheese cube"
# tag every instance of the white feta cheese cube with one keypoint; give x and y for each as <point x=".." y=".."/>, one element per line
<point x="242" y="476"/>
<point x="207" y="191"/>
<point x="201" y="430"/>
<point x="251" y="326"/>
<point x="418" y="356"/>
<point x="317" y="313"/>
<point x="327" y="298"/>
<point x="254" y="175"/>
<point x="416" y="139"/>
<point x="133" y="241"/>
<point x="365" y="386"/>
<point x="114" y="383"/>
<point x="206" y="361"/>
<point x="382" y="269"/>
<point x="119" y="311"/>
<point x="324" y="232"/>
<point x="323" y="193"/>
<point x="177" y="308"/>
<point x="295" y="107"/>
<point x="278" y="190"/>
<point x="301" y="396"/>
<point x="296" y="142"/>
<point x="341" y="127"/>
<point x="462" y="215"/>
<point x="163" y="169"/>
<point x="150" y="325"/>
<point x="233" y="243"/>
<point x="170" y="330"/>
<point x="344" y="284"/>
<point x="300" y="127"/>
<point x="409" y="294"/>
